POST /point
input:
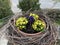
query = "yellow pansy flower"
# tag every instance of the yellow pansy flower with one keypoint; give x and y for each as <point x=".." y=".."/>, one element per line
<point x="38" y="25"/>
<point x="24" y="22"/>
<point x="35" y="16"/>
<point x="43" y="23"/>
<point x="21" y="22"/>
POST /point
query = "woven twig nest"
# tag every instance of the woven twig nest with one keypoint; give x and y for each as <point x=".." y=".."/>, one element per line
<point x="17" y="37"/>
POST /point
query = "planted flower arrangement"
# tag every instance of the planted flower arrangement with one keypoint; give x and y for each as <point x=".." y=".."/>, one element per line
<point x="30" y="24"/>
<point x="31" y="29"/>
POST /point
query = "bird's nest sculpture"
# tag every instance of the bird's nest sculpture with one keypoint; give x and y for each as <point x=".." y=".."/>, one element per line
<point x="32" y="28"/>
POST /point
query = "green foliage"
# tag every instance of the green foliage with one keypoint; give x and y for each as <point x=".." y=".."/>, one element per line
<point x="5" y="9"/>
<point x="25" y="5"/>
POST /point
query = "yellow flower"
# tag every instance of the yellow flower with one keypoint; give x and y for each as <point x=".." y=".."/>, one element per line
<point x="17" y="24"/>
<point x="43" y="23"/>
<point x="24" y="22"/>
<point x="41" y="27"/>
<point x="21" y="22"/>
<point x="23" y="26"/>
<point x="35" y="16"/>
<point x="20" y="26"/>
<point x="38" y="25"/>
<point x="31" y="14"/>
<point x="34" y="26"/>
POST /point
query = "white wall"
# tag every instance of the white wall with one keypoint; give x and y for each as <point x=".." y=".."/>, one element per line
<point x="14" y="7"/>
<point x="49" y="4"/>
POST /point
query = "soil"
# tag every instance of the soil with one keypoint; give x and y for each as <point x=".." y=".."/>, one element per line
<point x="29" y="30"/>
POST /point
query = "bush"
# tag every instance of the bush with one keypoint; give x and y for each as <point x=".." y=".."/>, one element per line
<point x="25" y="5"/>
<point x="5" y="9"/>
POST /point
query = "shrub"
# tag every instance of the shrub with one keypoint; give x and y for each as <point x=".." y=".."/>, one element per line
<point x="25" y="5"/>
<point x="5" y="9"/>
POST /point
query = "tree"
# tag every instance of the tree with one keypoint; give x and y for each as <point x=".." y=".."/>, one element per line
<point x="5" y="8"/>
<point x="25" y="5"/>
